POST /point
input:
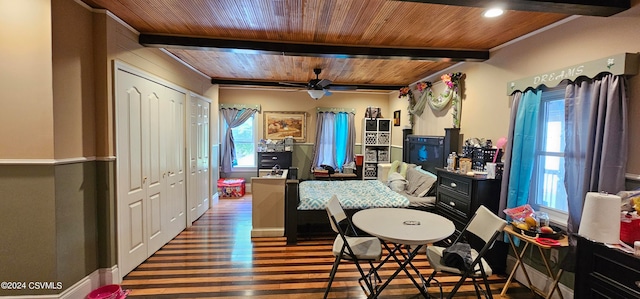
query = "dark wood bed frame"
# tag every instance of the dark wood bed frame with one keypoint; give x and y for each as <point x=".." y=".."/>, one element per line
<point x="314" y="223"/>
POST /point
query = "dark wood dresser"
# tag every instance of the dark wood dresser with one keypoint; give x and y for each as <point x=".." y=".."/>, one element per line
<point x="459" y="196"/>
<point x="602" y="272"/>
<point x="266" y="160"/>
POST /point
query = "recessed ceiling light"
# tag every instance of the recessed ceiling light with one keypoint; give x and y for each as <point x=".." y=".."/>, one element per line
<point x="493" y="12"/>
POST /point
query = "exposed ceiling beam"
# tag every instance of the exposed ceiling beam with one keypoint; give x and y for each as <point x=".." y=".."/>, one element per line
<point x="313" y="50"/>
<point x="603" y="8"/>
<point x="276" y="84"/>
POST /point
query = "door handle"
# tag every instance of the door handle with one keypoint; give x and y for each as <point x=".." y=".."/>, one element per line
<point x="453" y="204"/>
<point x="144" y="180"/>
<point x="453" y="185"/>
<point x="274" y="158"/>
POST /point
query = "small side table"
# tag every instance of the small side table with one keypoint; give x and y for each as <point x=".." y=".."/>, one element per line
<point x="541" y="247"/>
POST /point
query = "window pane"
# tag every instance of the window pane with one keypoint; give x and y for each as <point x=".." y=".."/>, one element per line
<point x="245" y="154"/>
<point x="549" y="172"/>
<point x="244" y="141"/>
<point x="550" y="183"/>
<point x="244" y="132"/>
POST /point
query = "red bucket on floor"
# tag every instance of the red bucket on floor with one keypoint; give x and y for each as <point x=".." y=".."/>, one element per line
<point x="111" y="291"/>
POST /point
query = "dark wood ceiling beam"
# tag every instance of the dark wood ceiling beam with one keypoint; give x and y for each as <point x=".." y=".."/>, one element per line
<point x="313" y="50"/>
<point x="603" y="8"/>
<point x="276" y="84"/>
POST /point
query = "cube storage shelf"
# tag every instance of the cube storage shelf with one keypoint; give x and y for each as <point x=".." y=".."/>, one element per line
<point x="376" y="145"/>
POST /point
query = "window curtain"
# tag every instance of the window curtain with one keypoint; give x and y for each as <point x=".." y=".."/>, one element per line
<point x="520" y="151"/>
<point x="233" y="118"/>
<point x="596" y="143"/>
<point x="335" y="139"/>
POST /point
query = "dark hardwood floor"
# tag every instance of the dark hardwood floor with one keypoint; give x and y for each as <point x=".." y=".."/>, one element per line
<point x="217" y="258"/>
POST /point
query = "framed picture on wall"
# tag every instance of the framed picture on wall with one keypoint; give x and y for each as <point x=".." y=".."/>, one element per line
<point x="278" y="125"/>
<point x="396" y="118"/>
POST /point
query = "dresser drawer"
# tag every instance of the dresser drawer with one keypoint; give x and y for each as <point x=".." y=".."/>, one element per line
<point x="456" y="184"/>
<point x="459" y="205"/>
<point x="270" y="159"/>
<point x="452" y="214"/>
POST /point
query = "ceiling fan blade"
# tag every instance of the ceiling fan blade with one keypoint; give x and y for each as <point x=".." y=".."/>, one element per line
<point x="323" y="83"/>
<point x="293" y="84"/>
<point x="342" y="87"/>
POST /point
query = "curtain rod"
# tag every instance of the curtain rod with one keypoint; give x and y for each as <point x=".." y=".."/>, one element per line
<point x="336" y="110"/>
<point x="620" y="64"/>
<point x="240" y="106"/>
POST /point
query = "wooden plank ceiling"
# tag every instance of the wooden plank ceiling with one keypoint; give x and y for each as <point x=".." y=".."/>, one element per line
<point x="372" y="44"/>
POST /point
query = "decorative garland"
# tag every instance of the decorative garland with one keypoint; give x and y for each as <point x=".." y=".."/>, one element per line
<point x="449" y="95"/>
<point x="406" y="92"/>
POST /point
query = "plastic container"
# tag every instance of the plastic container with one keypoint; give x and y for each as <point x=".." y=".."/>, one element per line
<point x="111" y="291"/>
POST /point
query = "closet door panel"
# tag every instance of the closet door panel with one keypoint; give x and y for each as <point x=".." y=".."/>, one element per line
<point x="203" y="163"/>
<point x="192" y="195"/>
<point x="176" y="162"/>
<point x="154" y="154"/>
<point x="132" y="190"/>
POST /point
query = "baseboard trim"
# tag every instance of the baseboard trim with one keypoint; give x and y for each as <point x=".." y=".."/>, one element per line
<point x="267" y="232"/>
<point x="82" y="288"/>
<point x="538" y="279"/>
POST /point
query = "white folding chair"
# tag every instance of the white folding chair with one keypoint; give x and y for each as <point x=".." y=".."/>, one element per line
<point x="348" y="246"/>
<point x="485" y="225"/>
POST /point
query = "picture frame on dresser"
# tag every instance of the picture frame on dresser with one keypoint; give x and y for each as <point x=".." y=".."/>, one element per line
<point x="281" y="124"/>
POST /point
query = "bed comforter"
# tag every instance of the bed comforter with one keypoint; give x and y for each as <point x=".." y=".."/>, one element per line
<point x="353" y="194"/>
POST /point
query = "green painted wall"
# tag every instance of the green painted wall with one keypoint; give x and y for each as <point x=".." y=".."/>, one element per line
<point x="49" y="216"/>
<point x="106" y="213"/>
<point x="28" y="224"/>
<point x="76" y="221"/>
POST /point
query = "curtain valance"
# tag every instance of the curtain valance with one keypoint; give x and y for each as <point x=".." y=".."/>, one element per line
<point x="620" y="64"/>
<point x="240" y="106"/>
<point x="336" y="110"/>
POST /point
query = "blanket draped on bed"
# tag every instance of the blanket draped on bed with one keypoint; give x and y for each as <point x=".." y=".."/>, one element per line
<point x="314" y="195"/>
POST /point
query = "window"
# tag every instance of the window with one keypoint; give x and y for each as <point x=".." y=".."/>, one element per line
<point x="548" y="188"/>
<point x="244" y="139"/>
<point x="334" y="139"/>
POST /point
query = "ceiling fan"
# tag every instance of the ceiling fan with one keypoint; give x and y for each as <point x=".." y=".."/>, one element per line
<point x="317" y="88"/>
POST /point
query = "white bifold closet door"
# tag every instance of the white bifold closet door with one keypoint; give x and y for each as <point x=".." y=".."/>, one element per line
<point x="150" y="172"/>
<point x="199" y="196"/>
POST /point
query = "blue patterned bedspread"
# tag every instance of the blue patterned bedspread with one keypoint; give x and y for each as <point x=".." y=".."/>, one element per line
<point x="314" y="195"/>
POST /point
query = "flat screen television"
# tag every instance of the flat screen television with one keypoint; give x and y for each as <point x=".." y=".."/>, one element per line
<point x="427" y="151"/>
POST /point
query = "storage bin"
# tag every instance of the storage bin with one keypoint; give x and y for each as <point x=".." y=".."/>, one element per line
<point x="630" y="231"/>
<point x="231" y="187"/>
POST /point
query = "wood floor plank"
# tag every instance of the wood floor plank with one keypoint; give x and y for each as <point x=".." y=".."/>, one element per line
<point x="217" y="258"/>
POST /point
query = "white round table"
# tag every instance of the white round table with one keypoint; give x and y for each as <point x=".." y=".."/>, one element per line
<point x="403" y="226"/>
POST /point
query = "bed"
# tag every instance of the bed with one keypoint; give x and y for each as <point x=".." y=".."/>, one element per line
<point x="306" y="215"/>
<point x="306" y="201"/>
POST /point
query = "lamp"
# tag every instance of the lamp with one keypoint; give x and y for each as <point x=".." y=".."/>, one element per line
<point x="316" y="94"/>
<point x="601" y="218"/>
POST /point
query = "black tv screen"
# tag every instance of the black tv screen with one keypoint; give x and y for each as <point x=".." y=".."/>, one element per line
<point x="427" y="151"/>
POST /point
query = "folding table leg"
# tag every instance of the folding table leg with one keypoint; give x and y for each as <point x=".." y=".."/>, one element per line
<point x="519" y="263"/>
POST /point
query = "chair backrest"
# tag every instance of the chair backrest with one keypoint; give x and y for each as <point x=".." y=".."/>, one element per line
<point x="485" y="224"/>
<point x="335" y="211"/>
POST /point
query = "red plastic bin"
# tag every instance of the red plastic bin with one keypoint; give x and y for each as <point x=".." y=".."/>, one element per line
<point x="630" y="231"/>
<point x="231" y="187"/>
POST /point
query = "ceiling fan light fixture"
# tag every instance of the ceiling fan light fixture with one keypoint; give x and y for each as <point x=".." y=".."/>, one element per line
<point x="316" y="94"/>
<point x="493" y="12"/>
